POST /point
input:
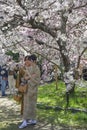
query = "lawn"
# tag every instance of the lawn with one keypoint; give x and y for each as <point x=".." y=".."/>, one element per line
<point x="52" y="105"/>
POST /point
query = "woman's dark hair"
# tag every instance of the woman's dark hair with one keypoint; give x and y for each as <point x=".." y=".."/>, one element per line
<point x="32" y="57"/>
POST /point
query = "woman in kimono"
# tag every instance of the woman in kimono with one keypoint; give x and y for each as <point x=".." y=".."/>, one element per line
<point x="32" y="75"/>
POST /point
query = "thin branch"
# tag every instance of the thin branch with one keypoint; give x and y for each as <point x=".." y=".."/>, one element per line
<point x="5" y="3"/>
<point x="43" y="43"/>
<point x="79" y="58"/>
<point x="77" y="24"/>
<point x="16" y="21"/>
<point x="81" y="6"/>
<point x="6" y="47"/>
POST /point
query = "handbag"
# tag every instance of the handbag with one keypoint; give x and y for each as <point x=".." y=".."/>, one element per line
<point x="17" y="97"/>
<point x="23" y="88"/>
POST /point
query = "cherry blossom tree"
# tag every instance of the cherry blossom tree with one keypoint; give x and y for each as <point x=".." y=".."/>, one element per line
<point x="55" y="30"/>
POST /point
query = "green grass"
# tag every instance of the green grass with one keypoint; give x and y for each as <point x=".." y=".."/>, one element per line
<point x="49" y="96"/>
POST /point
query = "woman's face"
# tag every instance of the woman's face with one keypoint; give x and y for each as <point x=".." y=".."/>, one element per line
<point x="27" y="62"/>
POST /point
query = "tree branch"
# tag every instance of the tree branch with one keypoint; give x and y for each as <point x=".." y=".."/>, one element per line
<point x="2" y="2"/>
<point x="43" y="27"/>
<point x="21" y="5"/>
<point x="16" y="21"/>
<point x="43" y="43"/>
<point x="78" y="7"/>
<point x="79" y="58"/>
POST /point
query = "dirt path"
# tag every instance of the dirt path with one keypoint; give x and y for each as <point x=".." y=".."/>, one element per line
<point x="10" y="117"/>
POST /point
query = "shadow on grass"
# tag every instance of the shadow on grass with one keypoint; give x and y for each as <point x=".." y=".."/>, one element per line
<point x="39" y="126"/>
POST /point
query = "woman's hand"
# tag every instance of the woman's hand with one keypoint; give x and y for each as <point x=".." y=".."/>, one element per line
<point x="26" y="77"/>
